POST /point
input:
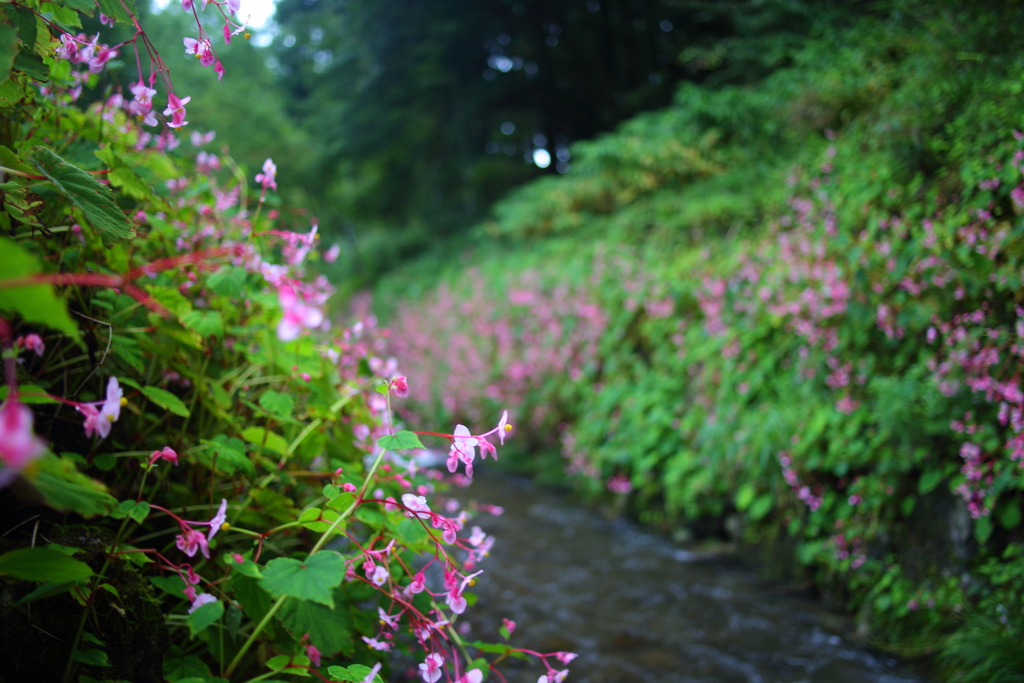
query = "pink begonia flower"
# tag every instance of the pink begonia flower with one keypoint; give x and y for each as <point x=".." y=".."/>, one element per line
<point x="32" y="342"/>
<point x="331" y="255"/>
<point x="401" y="386"/>
<point x="503" y="426"/>
<point x="176" y="110"/>
<point x="477" y="536"/>
<point x="186" y="5"/>
<point x="218" y="519"/>
<point x="234" y="6"/>
<point x="471" y="676"/>
<point x="380" y="575"/>
<point x="554" y="676"/>
<point x="105" y="20"/>
<point x="566" y="657"/>
<point x="431" y="668"/>
<point x="509" y="625"/>
<point x="218" y="69"/>
<point x="92" y="418"/>
<point x="191" y="576"/>
<point x="200" y="48"/>
<point x="190" y="541"/>
<point x="463" y="448"/>
<point x="19" y="446"/>
<point x="201" y="599"/>
<point x="166" y="454"/>
<point x="267" y="178"/>
<point x="142" y="106"/>
<point x="486" y="447"/>
<point x="103" y="55"/>
<point x="314" y="655"/>
<point x="390" y="620"/>
<point x="111" y="410"/>
<point x="297" y="315"/>
<point x="372" y="675"/>
<point x="348" y="487"/>
<point x="455" y="601"/>
<point x="199" y="139"/>
<point x="418" y="584"/>
<point x="377" y="644"/>
<point x="416" y="504"/>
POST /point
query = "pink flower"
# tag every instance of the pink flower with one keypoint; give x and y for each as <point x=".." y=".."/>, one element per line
<point x="463" y="448"/>
<point x="348" y="487"/>
<point x="389" y="620"/>
<point x="166" y="454"/>
<point x="431" y="668"/>
<point x="377" y="644"/>
<point x="471" y="676"/>
<point x="19" y="446"/>
<point x="566" y="657"/>
<point x="416" y="505"/>
<point x="401" y="386"/>
<point x="218" y="69"/>
<point x="189" y="541"/>
<point x="200" y="600"/>
<point x="92" y="418"/>
<point x="191" y="576"/>
<point x="218" y="519"/>
<point x="176" y="110"/>
<point x="418" y="584"/>
<point x="33" y="342"/>
<point x="111" y="410"/>
<point x="267" y="178"/>
<point x="331" y="255"/>
<point x="503" y="426"/>
<point x="380" y="575"/>
<point x="313" y="654"/>
<point x="372" y="675"/>
<point x="297" y="315"/>
<point x="553" y="676"/>
<point x="455" y="600"/>
<point x="510" y="626"/>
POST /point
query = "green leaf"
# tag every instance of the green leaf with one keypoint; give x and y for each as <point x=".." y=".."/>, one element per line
<point x="116" y="9"/>
<point x="228" y="281"/>
<point x="129" y="182"/>
<point x="171" y="299"/>
<point x="86" y="7"/>
<point x="205" y="616"/>
<point x="28" y="394"/>
<point x="140" y="512"/>
<point x="313" y="579"/>
<point x="929" y="480"/>
<point x="982" y="529"/>
<point x="65" y="488"/>
<point x="265" y="438"/>
<point x="745" y="496"/>
<point x="230" y="453"/>
<point x="171" y="584"/>
<point x="95" y="200"/>
<point x="34" y="303"/>
<point x="279" y="404"/>
<point x="254" y="600"/>
<point x="8" y="46"/>
<point x="91" y="657"/>
<point x="355" y="673"/>
<point x="30" y="65"/>
<point x="180" y="667"/>
<point x="204" y="323"/>
<point x="329" y="629"/>
<point x="50" y="589"/>
<point x="43" y="564"/>
<point x="166" y="399"/>
<point x="761" y="506"/>
<point x="246" y="568"/>
<point x="1009" y="514"/>
<point x="403" y="440"/>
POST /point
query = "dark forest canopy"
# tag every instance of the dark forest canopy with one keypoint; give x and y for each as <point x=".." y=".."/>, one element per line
<point x="426" y="113"/>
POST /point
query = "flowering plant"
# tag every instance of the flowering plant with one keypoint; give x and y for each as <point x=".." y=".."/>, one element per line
<point x="172" y="379"/>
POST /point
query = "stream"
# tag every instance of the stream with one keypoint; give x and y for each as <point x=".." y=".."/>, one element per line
<point x="635" y="607"/>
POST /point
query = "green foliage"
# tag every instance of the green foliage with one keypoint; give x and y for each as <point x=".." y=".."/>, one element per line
<point x="43" y="564"/>
<point x="810" y="322"/>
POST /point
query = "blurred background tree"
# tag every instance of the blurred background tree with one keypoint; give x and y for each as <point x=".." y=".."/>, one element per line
<point x="400" y="123"/>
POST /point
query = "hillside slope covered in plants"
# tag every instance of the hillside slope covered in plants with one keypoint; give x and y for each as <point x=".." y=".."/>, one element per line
<point x="790" y="312"/>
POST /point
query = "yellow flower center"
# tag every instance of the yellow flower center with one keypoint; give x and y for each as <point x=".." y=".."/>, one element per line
<point x="508" y="428"/>
<point x="124" y="401"/>
<point x="225" y="526"/>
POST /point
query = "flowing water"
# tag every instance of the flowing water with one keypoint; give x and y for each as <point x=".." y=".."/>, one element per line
<point x="635" y="607"/>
